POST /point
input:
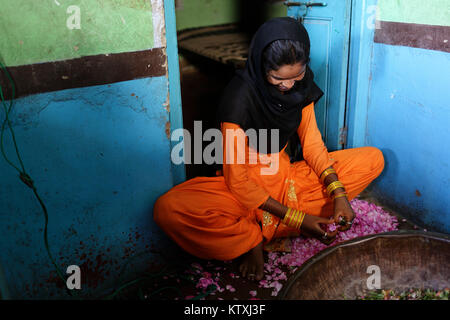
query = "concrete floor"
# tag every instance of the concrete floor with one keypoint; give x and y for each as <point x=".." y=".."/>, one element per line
<point x="173" y="284"/>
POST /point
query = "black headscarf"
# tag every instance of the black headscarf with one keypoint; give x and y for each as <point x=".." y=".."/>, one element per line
<point x="251" y="102"/>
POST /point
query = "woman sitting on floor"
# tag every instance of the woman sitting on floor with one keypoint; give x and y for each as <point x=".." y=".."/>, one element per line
<point x="240" y="212"/>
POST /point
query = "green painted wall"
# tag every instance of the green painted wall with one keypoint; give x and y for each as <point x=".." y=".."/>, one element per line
<point x="200" y="13"/>
<point x="36" y="31"/>
<point x="433" y="12"/>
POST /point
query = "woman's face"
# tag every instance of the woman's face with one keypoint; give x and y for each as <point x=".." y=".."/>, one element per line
<point x="285" y="77"/>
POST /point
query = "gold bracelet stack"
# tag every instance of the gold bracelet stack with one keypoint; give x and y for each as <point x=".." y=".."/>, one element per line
<point x="326" y="173"/>
<point x="293" y="218"/>
<point x="333" y="186"/>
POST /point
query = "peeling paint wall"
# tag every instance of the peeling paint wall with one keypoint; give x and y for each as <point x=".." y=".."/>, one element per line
<point x="159" y="36"/>
<point x="98" y="154"/>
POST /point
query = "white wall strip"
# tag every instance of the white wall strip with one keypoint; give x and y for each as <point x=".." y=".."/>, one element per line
<point x="159" y="31"/>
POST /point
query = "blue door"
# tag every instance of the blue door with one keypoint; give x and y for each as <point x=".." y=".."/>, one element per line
<point x="328" y="25"/>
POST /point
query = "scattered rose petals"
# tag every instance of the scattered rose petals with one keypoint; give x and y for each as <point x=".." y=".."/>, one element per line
<point x="331" y="227"/>
<point x="369" y="219"/>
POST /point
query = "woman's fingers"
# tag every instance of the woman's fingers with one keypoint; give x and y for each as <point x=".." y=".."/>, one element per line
<point x="331" y="236"/>
<point x="348" y="221"/>
<point x="338" y="217"/>
<point x="325" y="220"/>
<point x="343" y="228"/>
<point x="321" y="233"/>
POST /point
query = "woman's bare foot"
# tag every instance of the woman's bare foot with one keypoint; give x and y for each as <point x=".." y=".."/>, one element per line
<point x="252" y="265"/>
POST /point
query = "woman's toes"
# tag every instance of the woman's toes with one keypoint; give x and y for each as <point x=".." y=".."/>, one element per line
<point x="260" y="274"/>
<point x="251" y="273"/>
<point x="243" y="270"/>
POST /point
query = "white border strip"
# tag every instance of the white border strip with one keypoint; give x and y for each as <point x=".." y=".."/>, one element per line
<point x="159" y="31"/>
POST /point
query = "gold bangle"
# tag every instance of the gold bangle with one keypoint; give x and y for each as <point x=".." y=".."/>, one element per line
<point x="294" y="221"/>
<point x="286" y="216"/>
<point x="293" y="218"/>
<point x="299" y="224"/>
<point x="326" y="173"/>
<point x="303" y="218"/>
<point x="339" y="195"/>
<point x="289" y="217"/>
<point x="333" y="186"/>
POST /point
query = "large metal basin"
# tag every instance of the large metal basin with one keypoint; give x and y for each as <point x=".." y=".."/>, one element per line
<point x="406" y="259"/>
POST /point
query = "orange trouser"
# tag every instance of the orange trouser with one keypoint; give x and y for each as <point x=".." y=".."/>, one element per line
<point x="203" y="217"/>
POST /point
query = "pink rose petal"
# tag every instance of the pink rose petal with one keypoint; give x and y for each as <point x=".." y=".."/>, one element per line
<point x="230" y="288"/>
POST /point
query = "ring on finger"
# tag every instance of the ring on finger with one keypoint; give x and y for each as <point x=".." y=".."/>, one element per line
<point x="325" y="236"/>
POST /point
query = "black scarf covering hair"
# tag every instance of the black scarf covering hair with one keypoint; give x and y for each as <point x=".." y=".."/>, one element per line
<point x="251" y="102"/>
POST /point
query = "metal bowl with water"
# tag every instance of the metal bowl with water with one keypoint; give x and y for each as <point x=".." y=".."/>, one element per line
<point x="401" y="259"/>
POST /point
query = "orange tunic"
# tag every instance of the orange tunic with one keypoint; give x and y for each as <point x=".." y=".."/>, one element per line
<point x="218" y="217"/>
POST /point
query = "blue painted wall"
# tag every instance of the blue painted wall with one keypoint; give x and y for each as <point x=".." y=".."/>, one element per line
<point x="408" y="119"/>
<point x="99" y="157"/>
<point x="398" y="100"/>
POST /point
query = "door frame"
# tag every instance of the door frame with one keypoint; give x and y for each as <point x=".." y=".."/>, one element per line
<point x="359" y="66"/>
<point x="359" y="75"/>
<point x="332" y="121"/>
<point x="174" y="99"/>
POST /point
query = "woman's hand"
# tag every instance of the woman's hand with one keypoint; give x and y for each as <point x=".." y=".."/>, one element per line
<point x="311" y="228"/>
<point x="342" y="208"/>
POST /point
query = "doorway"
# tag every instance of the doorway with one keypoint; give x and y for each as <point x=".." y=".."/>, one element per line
<point x="204" y="75"/>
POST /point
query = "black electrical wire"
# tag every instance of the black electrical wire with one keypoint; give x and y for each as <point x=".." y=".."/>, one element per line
<point x="23" y="175"/>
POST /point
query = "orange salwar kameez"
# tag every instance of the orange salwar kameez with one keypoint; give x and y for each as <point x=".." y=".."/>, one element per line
<point x="218" y="217"/>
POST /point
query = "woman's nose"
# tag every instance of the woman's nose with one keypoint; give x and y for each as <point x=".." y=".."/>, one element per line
<point x="288" y="84"/>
